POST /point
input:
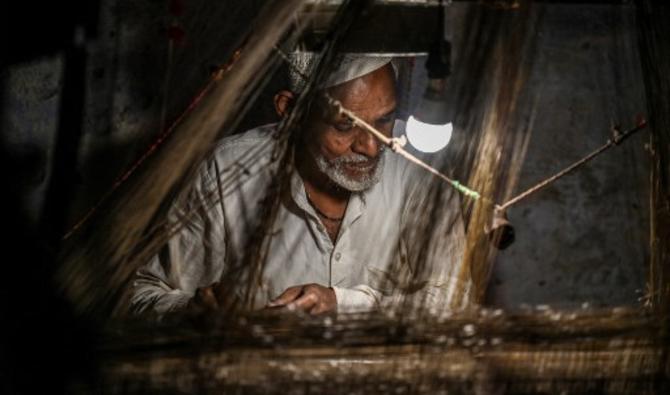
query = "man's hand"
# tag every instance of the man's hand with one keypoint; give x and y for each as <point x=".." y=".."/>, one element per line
<point x="204" y="299"/>
<point x="311" y="298"/>
<point x="212" y="297"/>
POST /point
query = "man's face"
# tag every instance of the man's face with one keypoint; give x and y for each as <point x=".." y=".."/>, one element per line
<point x="350" y="156"/>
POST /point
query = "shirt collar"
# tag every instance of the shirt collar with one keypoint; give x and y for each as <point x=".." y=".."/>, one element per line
<point x="355" y="207"/>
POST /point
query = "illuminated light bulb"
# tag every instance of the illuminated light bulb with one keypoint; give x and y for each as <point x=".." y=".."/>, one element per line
<point x="426" y="137"/>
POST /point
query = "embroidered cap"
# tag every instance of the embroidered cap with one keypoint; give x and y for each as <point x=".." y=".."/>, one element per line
<point x="348" y="67"/>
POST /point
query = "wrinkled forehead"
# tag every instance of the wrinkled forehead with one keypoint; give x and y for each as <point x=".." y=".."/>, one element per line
<point x="375" y="90"/>
<point x="370" y="95"/>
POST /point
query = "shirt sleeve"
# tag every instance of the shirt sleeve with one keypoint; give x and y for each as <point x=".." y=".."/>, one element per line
<point x="192" y="257"/>
<point x="360" y="298"/>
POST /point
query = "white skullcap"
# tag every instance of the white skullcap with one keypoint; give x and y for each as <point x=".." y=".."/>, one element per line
<point x="348" y="67"/>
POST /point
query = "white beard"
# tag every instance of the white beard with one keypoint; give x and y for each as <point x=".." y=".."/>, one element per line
<point x="334" y="169"/>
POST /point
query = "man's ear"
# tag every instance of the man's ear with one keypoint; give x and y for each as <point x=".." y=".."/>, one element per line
<point x="283" y="101"/>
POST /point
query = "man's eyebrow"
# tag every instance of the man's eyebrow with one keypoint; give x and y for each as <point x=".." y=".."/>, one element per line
<point x="390" y="112"/>
<point x="344" y="118"/>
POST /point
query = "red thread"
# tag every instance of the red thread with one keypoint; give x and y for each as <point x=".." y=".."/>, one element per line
<point x="176" y="33"/>
<point x="176" y="7"/>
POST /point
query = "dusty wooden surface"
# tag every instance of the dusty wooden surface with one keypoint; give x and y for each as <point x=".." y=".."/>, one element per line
<point x="542" y="351"/>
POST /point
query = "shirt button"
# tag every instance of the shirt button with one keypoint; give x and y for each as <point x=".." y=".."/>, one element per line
<point x="337" y="256"/>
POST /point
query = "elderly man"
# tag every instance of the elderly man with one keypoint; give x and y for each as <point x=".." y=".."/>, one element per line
<point x="345" y="239"/>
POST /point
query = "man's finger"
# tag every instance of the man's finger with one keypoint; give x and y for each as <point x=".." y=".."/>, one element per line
<point x="286" y="297"/>
<point x="305" y="302"/>
<point x="318" y="309"/>
<point x="204" y="297"/>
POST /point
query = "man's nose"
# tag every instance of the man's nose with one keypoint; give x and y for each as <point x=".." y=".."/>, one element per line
<point x="365" y="144"/>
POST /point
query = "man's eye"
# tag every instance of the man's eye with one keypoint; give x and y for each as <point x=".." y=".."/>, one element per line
<point x="385" y="120"/>
<point x="344" y="126"/>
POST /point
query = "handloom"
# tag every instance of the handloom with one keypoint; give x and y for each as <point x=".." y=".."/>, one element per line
<point x="482" y="351"/>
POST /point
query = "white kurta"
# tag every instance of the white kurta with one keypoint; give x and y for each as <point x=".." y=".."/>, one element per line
<point x="366" y="266"/>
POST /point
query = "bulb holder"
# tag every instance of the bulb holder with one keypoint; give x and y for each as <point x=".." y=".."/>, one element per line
<point x="433" y="108"/>
<point x="500" y="232"/>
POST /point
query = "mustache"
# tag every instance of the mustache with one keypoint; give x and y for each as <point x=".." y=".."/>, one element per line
<point x="358" y="159"/>
<point x="355" y="159"/>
